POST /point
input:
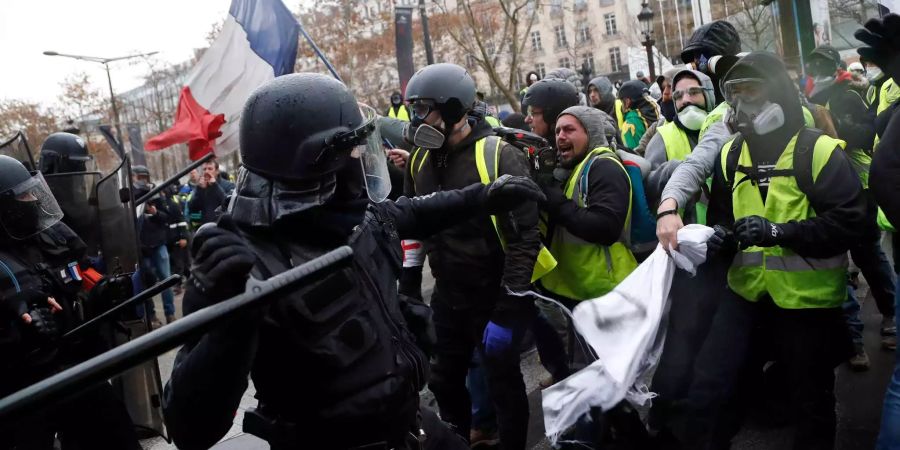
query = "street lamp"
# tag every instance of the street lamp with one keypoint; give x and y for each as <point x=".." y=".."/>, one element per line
<point x="645" y="17"/>
<point x="105" y="62"/>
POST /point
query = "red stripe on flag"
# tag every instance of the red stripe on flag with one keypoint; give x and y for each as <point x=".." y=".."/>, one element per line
<point x="193" y="124"/>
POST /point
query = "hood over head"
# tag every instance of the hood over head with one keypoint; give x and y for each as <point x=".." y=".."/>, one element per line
<point x="594" y="121"/>
<point x="715" y="38"/>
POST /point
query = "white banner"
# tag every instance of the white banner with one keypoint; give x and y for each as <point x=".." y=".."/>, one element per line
<point x="821" y="22"/>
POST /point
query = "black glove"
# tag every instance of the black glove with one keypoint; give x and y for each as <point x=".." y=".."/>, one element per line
<point x="508" y="192"/>
<point x="757" y="231"/>
<point x="222" y="260"/>
<point x="722" y="239"/>
<point x="15" y="306"/>
<point x="545" y="161"/>
<point x="883" y="39"/>
<point x="43" y="327"/>
<point x="418" y="319"/>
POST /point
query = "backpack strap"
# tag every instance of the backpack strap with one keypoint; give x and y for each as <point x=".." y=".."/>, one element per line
<point x="803" y="157"/>
<point x="732" y="158"/>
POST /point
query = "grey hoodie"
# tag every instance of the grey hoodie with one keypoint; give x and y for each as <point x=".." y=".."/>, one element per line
<point x="594" y="122"/>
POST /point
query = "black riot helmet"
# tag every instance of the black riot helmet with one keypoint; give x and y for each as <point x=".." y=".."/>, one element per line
<point x="553" y="96"/>
<point x="27" y="206"/>
<point x="446" y="87"/>
<point x="64" y="153"/>
<point x="297" y="133"/>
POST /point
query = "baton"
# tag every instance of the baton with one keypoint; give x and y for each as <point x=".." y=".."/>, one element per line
<point x="106" y="365"/>
<point x="147" y="294"/>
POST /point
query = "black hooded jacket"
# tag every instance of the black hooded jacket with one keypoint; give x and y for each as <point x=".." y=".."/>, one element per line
<point x="469" y="257"/>
<point x="836" y="195"/>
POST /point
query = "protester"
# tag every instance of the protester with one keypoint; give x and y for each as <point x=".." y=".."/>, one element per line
<point x="210" y="193"/>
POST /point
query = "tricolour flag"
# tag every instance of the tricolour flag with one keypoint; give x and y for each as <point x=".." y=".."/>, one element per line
<point x="258" y="42"/>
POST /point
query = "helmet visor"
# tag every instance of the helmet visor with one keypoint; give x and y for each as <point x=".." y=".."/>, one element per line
<point x="28" y="208"/>
<point x="372" y="157"/>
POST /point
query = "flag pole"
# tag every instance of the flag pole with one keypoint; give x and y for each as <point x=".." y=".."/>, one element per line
<point x="318" y="52"/>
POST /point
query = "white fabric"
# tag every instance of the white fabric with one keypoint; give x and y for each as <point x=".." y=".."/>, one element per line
<point x="225" y="76"/>
<point x="624" y="329"/>
<point x="413" y="253"/>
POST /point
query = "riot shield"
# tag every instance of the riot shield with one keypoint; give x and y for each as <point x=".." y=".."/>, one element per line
<point x="119" y="243"/>
<point x="77" y="197"/>
<point x="17" y="147"/>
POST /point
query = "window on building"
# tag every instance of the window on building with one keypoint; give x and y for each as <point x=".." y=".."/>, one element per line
<point x="565" y="62"/>
<point x="583" y="31"/>
<point x="580" y="5"/>
<point x="560" y="33"/>
<point x="588" y="58"/>
<point x="536" y="40"/>
<point x="605" y="3"/>
<point x="470" y="60"/>
<point x="615" y="59"/>
<point x="555" y="7"/>
<point x="541" y="70"/>
<point x="610" y="20"/>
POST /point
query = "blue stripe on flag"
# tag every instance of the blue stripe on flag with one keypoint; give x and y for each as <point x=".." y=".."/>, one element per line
<point x="272" y="30"/>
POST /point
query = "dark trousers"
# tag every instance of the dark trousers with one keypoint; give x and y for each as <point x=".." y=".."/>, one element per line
<point x="460" y="333"/>
<point x="694" y="301"/>
<point x="875" y="266"/>
<point x="807" y="343"/>
<point x="96" y="419"/>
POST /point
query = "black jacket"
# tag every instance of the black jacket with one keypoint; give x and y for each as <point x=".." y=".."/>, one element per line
<point x="884" y="179"/>
<point x="336" y="358"/>
<point x="205" y="201"/>
<point x="850" y="113"/>
<point x="154" y="228"/>
<point x="469" y="256"/>
<point x="602" y="219"/>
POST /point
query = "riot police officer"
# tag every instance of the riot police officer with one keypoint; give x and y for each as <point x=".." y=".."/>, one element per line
<point x="64" y="153"/>
<point x="39" y="279"/>
<point x="334" y="363"/>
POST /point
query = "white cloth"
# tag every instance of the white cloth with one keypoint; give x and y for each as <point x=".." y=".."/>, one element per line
<point x="624" y="329"/>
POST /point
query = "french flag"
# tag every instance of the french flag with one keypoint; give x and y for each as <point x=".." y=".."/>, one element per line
<point x="258" y="42"/>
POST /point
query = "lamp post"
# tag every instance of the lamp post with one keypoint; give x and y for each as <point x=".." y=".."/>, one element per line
<point x="645" y="17"/>
<point x="105" y="62"/>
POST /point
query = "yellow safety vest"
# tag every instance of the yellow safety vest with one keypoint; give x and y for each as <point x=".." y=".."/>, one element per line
<point x="620" y="119"/>
<point x="678" y="146"/>
<point x="588" y="270"/>
<point x="492" y="121"/>
<point x="487" y="162"/>
<point x="400" y="113"/>
<point x="793" y="281"/>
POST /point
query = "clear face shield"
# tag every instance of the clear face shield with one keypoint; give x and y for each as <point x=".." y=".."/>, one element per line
<point x="372" y="158"/>
<point x="28" y="208"/>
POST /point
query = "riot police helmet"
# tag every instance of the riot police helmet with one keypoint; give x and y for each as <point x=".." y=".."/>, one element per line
<point x="64" y="153"/>
<point x="27" y="206"/>
<point x="553" y="96"/>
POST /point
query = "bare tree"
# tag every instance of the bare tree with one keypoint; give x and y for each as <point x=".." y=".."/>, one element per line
<point x="32" y="119"/>
<point x="493" y="33"/>
<point x="754" y="20"/>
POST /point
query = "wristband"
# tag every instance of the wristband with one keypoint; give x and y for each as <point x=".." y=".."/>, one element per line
<point x="659" y="215"/>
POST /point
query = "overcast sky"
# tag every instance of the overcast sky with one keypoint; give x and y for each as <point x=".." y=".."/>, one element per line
<point x="104" y="28"/>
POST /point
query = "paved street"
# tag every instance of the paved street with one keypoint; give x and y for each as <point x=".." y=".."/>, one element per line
<point x="859" y="399"/>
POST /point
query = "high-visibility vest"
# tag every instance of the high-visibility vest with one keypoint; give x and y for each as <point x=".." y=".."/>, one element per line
<point x="620" y="119"/>
<point x="399" y="113"/>
<point x="678" y="146"/>
<point x="487" y="162"/>
<point x="492" y="121"/>
<point x="588" y="270"/>
<point x="793" y="281"/>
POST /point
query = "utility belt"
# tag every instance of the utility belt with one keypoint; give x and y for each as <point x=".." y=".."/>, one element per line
<point x="282" y="434"/>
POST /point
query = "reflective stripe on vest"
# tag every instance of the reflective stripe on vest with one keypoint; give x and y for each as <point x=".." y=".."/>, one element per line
<point x="620" y="119"/>
<point x="678" y="146"/>
<point x="714" y="116"/>
<point x="487" y="161"/>
<point x="399" y="114"/>
<point x="793" y="281"/>
<point x="588" y="270"/>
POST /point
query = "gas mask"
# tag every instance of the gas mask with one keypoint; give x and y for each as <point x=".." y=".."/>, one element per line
<point x="692" y="117"/>
<point x="421" y="134"/>
<point x="751" y="111"/>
